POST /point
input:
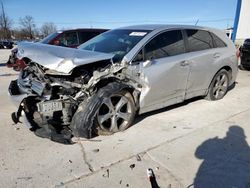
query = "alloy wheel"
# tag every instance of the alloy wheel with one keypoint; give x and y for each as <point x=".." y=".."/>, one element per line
<point x="114" y="113"/>
<point x="220" y="86"/>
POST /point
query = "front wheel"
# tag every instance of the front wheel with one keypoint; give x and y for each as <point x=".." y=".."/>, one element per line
<point x="219" y="86"/>
<point x="116" y="113"/>
<point x="112" y="109"/>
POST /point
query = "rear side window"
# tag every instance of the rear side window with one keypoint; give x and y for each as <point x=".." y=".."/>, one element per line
<point x="199" y="40"/>
<point x="86" y="35"/>
<point x="166" y="44"/>
<point x="218" y="43"/>
<point x="68" y="39"/>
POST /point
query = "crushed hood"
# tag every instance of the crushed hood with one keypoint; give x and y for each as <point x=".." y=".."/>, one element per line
<point x="59" y="58"/>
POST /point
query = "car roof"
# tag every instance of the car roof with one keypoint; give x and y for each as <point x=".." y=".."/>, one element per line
<point x="82" y="29"/>
<point x="161" y="26"/>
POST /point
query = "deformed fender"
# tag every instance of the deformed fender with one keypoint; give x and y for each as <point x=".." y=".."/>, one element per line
<point x="83" y="123"/>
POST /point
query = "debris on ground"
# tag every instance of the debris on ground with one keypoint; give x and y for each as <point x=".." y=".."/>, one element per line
<point x="107" y="174"/>
<point x="120" y="182"/>
<point x="96" y="150"/>
<point x="138" y="157"/>
<point x="24" y="178"/>
<point x="70" y="161"/>
<point x="57" y="134"/>
<point x="132" y="166"/>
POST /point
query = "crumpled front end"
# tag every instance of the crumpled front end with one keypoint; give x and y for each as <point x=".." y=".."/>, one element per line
<point x="46" y="103"/>
<point x="56" y="80"/>
<point x="47" y="100"/>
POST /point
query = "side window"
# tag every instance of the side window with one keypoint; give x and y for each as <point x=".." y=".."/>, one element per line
<point x="199" y="40"/>
<point x="218" y="43"/>
<point x="169" y="43"/>
<point x="85" y="36"/>
<point x="68" y="39"/>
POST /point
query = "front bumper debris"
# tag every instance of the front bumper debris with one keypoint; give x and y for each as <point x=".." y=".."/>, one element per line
<point x="22" y="101"/>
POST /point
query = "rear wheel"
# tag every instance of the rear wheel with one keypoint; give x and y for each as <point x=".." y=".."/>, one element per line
<point x="219" y="86"/>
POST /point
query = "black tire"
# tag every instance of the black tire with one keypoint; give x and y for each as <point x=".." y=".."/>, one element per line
<point x="241" y="67"/>
<point x="85" y="122"/>
<point x="220" y="88"/>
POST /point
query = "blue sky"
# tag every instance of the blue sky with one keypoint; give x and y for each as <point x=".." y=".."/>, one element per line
<point x="115" y="13"/>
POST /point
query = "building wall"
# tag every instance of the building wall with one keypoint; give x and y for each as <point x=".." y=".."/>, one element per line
<point x="243" y="30"/>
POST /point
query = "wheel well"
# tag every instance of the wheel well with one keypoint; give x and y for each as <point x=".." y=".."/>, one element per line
<point x="104" y="82"/>
<point x="228" y="69"/>
<point x="130" y="89"/>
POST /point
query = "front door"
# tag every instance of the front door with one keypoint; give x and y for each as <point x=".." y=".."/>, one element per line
<point x="164" y="71"/>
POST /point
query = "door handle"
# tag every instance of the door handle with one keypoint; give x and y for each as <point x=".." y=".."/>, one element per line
<point x="216" y="55"/>
<point x="184" y="63"/>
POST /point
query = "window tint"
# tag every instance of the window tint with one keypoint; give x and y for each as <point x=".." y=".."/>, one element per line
<point x="85" y="36"/>
<point x="199" y="40"/>
<point x="138" y="57"/>
<point x="166" y="44"/>
<point x="218" y="43"/>
<point x="68" y="39"/>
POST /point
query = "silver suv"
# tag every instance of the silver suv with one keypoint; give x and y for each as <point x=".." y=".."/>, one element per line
<point x="100" y="87"/>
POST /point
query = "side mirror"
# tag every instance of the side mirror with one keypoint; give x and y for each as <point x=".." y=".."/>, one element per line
<point x="147" y="63"/>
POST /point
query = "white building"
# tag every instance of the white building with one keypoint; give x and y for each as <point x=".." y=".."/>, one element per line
<point x="242" y="22"/>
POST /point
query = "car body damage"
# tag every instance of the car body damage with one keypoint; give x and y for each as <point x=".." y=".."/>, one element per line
<point x="55" y="81"/>
<point x="61" y="59"/>
<point x="100" y="87"/>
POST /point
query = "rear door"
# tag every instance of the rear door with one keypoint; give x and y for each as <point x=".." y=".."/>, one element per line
<point x="164" y="70"/>
<point x="202" y="55"/>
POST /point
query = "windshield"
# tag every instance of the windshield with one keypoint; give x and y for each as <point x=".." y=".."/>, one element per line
<point x="118" y="42"/>
<point x="47" y="39"/>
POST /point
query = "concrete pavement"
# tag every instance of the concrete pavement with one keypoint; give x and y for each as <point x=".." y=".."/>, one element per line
<point x="186" y="145"/>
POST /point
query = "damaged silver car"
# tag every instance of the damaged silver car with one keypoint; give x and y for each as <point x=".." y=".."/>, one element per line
<point x="100" y="87"/>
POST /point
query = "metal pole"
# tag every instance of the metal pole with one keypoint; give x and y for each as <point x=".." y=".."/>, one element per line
<point x="236" y="19"/>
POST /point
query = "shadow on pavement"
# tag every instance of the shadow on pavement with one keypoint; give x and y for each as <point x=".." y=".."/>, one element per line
<point x="226" y="161"/>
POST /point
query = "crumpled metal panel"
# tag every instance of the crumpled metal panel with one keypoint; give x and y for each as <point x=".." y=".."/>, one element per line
<point x="59" y="58"/>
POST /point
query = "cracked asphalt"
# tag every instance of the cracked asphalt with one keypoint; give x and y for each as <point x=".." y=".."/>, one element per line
<point x="195" y="144"/>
